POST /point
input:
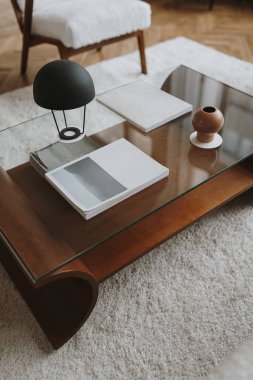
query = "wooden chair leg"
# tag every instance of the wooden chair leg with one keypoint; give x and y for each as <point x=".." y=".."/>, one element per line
<point x="211" y="4"/>
<point x="24" y="56"/>
<point x="62" y="53"/>
<point x="141" y="44"/>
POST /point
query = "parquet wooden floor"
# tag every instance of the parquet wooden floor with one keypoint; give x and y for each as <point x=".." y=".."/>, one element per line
<point x="228" y="28"/>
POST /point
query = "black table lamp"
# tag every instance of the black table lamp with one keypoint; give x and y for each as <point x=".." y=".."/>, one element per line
<point x="64" y="85"/>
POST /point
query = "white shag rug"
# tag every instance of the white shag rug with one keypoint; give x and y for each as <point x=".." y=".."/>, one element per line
<point x="177" y="312"/>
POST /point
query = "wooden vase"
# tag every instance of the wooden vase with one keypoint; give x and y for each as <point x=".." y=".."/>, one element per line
<point x="207" y="121"/>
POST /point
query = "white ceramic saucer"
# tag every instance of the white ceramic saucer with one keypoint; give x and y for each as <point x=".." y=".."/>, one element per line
<point x="217" y="141"/>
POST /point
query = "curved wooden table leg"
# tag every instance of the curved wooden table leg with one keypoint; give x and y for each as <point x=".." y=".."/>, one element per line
<point x="62" y="302"/>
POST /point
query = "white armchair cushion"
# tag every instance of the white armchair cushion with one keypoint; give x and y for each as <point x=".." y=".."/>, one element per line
<point x="80" y="23"/>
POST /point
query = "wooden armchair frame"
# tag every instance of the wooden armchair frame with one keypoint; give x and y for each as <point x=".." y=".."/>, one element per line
<point x="24" y="20"/>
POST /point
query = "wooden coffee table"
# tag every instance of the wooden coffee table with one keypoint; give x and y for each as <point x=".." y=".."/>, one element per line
<point x="57" y="259"/>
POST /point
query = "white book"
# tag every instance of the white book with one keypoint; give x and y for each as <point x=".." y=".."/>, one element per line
<point x="143" y="105"/>
<point x="106" y="176"/>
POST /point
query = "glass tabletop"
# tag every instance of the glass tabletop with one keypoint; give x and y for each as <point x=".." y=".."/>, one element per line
<point x="169" y="144"/>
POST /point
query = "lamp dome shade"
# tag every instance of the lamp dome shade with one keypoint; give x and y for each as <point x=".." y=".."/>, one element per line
<point x="63" y="85"/>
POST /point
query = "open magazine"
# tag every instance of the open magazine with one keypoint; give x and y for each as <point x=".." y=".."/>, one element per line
<point x="106" y="176"/>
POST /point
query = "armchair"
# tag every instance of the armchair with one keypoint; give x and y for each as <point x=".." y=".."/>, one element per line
<point x="76" y="26"/>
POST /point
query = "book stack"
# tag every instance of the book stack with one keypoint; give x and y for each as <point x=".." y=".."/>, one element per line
<point x="97" y="181"/>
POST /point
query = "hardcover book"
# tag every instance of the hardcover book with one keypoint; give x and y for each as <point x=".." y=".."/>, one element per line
<point x="143" y="105"/>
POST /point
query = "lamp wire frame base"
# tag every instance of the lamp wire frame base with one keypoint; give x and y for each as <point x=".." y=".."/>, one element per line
<point x="69" y="133"/>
